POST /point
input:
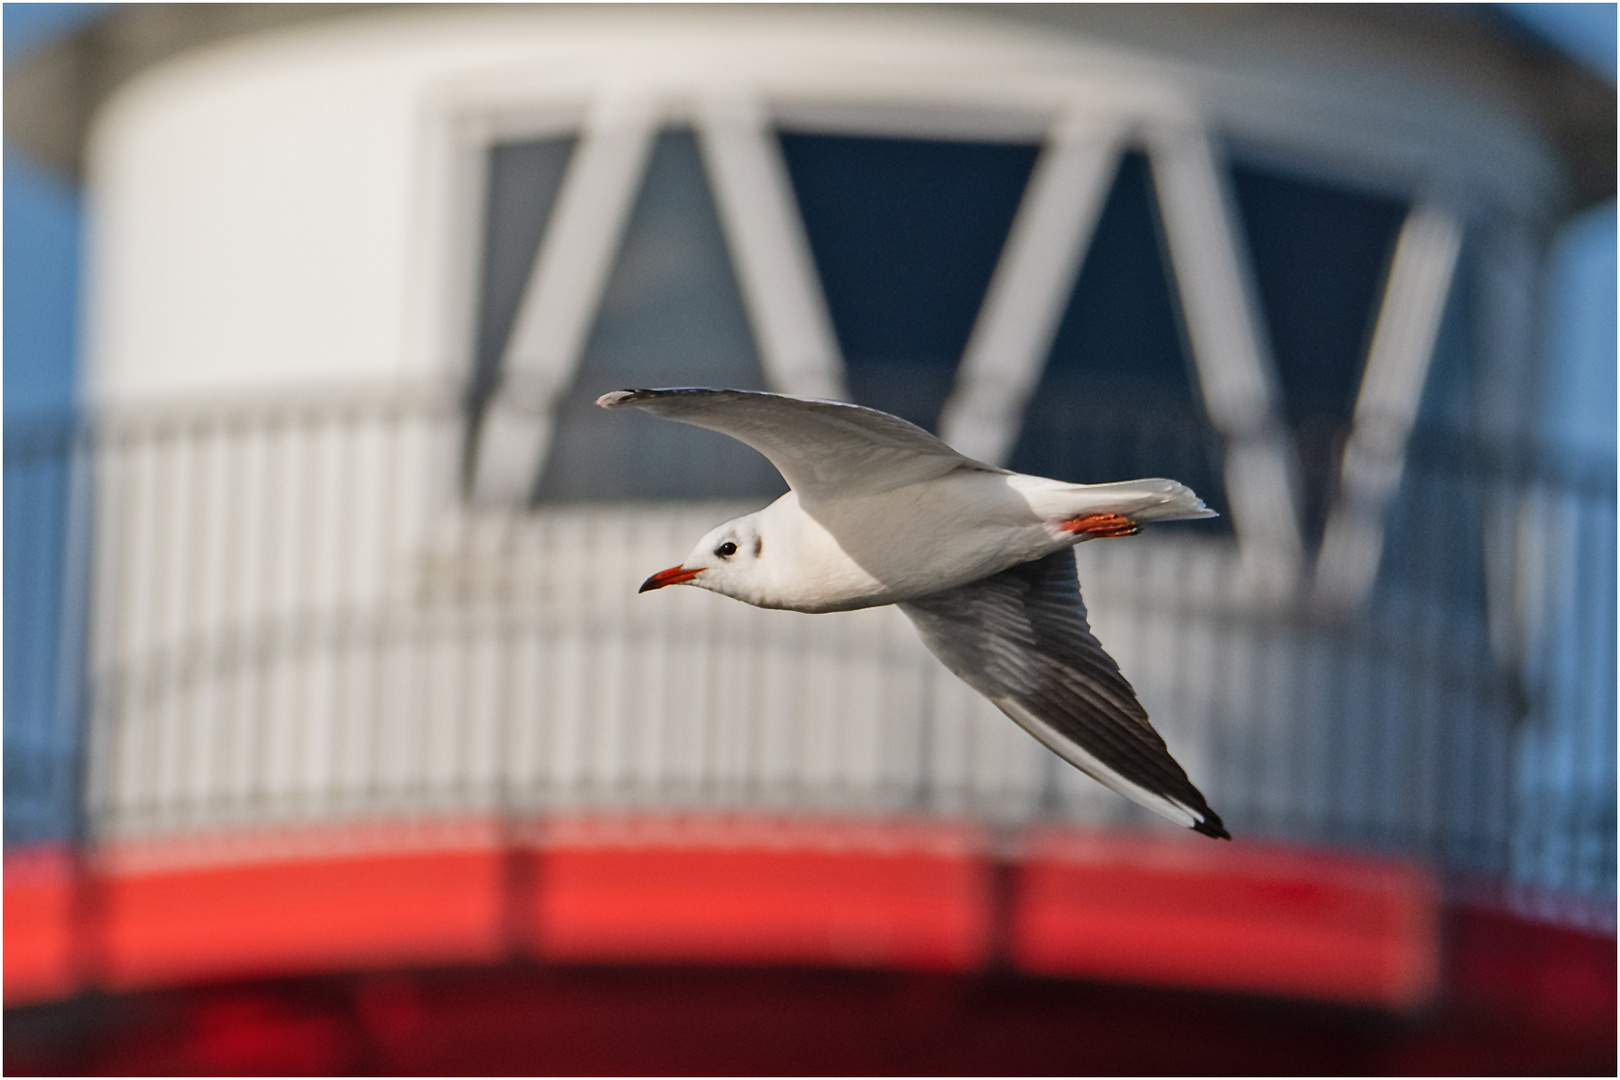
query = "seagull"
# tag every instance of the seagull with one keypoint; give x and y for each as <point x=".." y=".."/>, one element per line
<point x="979" y="558"/>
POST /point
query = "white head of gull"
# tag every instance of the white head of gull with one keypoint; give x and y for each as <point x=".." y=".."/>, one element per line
<point x="979" y="558"/>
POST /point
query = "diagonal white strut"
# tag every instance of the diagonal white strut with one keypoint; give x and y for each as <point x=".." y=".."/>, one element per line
<point x="774" y="267"/>
<point x="1005" y="354"/>
<point x="1387" y="404"/>
<point x="561" y="297"/>
<point x="1234" y="369"/>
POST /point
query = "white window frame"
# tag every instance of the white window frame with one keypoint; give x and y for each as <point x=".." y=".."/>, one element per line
<point x="1083" y="135"/>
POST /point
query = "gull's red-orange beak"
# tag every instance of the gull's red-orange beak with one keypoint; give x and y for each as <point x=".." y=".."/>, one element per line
<point x="675" y="575"/>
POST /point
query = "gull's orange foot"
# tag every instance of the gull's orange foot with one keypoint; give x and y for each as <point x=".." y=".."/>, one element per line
<point x="1101" y="525"/>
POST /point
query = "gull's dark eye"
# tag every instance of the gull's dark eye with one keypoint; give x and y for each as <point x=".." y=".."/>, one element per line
<point x="726" y="550"/>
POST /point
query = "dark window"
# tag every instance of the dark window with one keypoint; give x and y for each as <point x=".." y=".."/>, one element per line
<point x="671" y="315"/>
<point x="1118" y="397"/>
<point x="905" y="234"/>
<point x="1320" y="256"/>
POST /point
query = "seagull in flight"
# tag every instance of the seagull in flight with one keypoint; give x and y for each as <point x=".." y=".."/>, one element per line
<point x="979" y="559"/>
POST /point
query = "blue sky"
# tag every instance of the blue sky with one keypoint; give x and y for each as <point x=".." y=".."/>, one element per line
<point x="43" y="231"/>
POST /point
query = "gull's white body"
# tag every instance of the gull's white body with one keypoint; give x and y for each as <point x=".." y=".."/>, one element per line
<point x="882" y="512"/>
<point x="884" y="547"/>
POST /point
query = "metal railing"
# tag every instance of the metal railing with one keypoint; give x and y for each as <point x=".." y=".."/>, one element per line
<point x="284" y="611"/>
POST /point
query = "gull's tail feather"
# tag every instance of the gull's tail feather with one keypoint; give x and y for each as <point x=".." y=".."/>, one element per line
<point x="1155" y="499"/>
<point x="1139" y="500"/>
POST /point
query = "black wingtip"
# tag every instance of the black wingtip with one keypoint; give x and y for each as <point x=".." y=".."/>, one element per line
<point x="1212" y="827"/>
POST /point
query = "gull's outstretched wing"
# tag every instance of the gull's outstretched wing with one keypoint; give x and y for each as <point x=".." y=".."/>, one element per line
<point x="821" y="448"/>
<point x="1021" y="639"/>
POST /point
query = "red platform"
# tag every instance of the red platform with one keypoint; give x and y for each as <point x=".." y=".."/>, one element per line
<point x="39" y="925"/>
<point x="909" y="895"/>
<point x="1257" y="918"/>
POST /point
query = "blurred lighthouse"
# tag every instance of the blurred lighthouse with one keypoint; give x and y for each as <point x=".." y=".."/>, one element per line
<point x="351" y="546"/>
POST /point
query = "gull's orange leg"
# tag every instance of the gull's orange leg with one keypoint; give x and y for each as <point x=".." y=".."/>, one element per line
<point x="1101" y="525"/>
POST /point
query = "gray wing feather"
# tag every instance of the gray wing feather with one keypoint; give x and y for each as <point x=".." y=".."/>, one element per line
<point x="1021" y="639"/>
<point x="817" y="446"/>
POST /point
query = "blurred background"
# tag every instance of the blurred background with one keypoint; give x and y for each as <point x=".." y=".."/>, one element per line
<point x="337" y="739"/>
